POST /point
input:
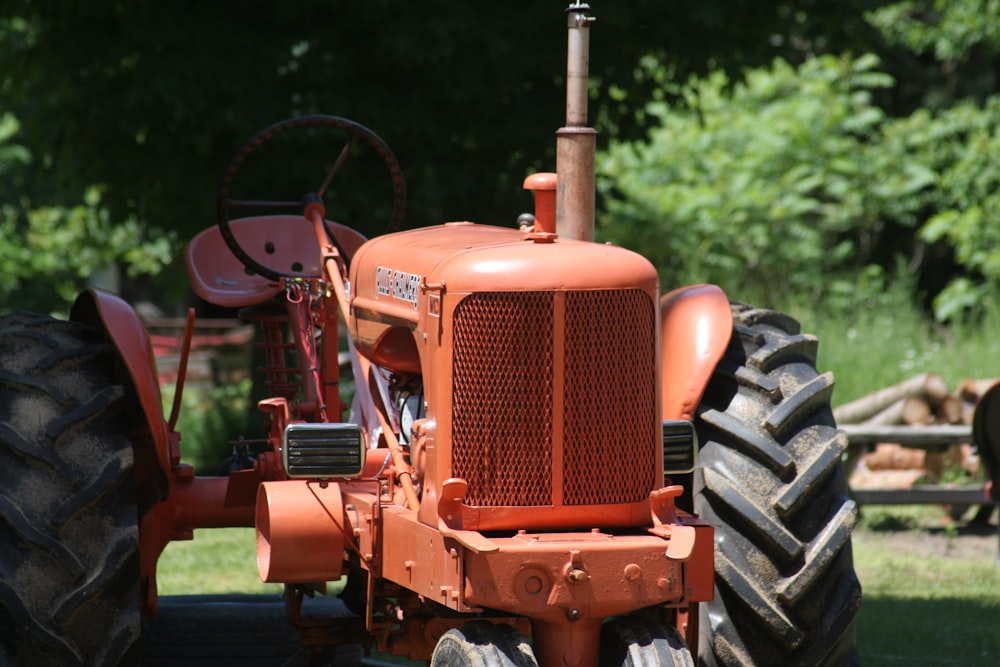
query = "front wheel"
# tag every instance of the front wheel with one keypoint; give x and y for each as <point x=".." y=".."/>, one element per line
<point x="69" y="566"/>
<point x="637" y="641"/>
<point x="771" y="482"/>
<point x="483" y="643"/>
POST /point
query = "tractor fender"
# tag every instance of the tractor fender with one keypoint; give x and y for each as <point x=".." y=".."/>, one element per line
<point x="986" y="436"/>
<point x="124" y="329"/>
<point x="300" y="531"/>
<point x="696" y="323"/>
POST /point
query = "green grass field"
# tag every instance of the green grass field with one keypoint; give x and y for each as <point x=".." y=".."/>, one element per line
<point x="222" y="560"/>
<point x="931" y="589"/>
<point x="880" y="344"/>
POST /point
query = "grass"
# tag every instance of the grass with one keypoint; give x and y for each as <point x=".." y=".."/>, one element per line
<point x="927" y="600"/>
<point x="883" y="341"/>
<point x="221" y="560"/>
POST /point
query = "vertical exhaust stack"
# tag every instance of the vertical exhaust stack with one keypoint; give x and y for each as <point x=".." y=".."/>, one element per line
<point x="576" y="143"/>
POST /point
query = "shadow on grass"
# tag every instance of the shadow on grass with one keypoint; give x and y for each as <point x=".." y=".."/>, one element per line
<point x="913" y="632"/>
<point x="890" y="523"/>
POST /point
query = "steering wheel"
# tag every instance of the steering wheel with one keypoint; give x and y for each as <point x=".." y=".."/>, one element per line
<point x="355" y="132"/>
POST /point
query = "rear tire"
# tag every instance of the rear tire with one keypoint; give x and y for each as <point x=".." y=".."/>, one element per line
<point x="69" y="566"/>
<point x="771" y="481"/>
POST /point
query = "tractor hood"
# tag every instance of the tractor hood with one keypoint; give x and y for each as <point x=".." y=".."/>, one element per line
<point x="400" y="280"/>
<point x="397" y="270"/>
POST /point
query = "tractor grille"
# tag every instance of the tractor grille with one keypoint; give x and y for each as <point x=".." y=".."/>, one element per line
<point x="507" y="441"/>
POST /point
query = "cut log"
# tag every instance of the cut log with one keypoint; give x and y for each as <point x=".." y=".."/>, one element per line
<point x="929" y="385"/>
<point x="949" y="410"/>
<point x="968" y="412"/>
<point x="971" y="389"/>
<point x="935" y="389"/>
<point x="890" y="416"/>
<point x="916" y="411"/>
<point x="934" y="465"/>
<point x="885" y="479"/>
<point x="889" y="456"/>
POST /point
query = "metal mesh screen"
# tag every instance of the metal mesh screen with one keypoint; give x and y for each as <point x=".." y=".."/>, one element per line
<point x="610" y="418"/>
<point x="503" y="397"/>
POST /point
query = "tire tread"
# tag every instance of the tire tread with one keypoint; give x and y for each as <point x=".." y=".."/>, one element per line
<point x="69" y="573"/>
<point x="770" y="479"/>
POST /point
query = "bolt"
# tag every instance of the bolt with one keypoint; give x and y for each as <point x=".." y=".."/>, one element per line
<point x="577" y="576"/>
<point x="632" y="571"/>
<point x="573" y="614"/>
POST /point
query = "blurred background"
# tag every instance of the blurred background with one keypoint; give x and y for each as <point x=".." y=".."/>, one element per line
<point x="788" y="151"/>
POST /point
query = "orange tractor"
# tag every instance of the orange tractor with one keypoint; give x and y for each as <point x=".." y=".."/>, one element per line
<point x="544" y="462"/>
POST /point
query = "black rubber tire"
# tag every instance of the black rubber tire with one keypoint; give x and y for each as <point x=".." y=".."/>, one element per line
<point x="637" y="641"/>
<point x="770" y="479"/>
<point x="69" y="566"/>
<point x="483" y="644"/>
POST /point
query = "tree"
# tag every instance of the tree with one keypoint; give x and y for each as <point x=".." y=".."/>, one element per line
<point x="50" y="252"/>
<point x="774" y="186"/>
<point x="148" y="101"/>
<point x="795" y="182"/>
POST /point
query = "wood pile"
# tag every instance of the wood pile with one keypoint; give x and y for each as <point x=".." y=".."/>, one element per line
<point x="922" y="403"/>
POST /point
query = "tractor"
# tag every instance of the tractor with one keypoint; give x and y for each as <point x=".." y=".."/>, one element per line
<point x="543" y="460"/>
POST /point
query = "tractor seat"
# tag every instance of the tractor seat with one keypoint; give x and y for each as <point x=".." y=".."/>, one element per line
<point x="285" y="243"/>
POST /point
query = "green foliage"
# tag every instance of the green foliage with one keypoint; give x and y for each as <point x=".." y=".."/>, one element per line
<point x="152" y="99"/>
<point x="211" y="417"/>
<point x="793" y="182"/>
<point x="949" y="29"/>
<point x="12" y="156"/>
<point x="50" y="252"/>
<point x="774" y="184"/>
<point x="960" y="213"/>
<point x="961" y="143"/>
<point x="776" y="171"/>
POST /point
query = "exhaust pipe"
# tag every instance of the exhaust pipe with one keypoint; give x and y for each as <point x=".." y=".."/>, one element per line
<point x="576" y="143"/>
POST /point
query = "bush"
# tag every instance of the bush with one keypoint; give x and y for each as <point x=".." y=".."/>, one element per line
<point x="793" y="183"/>
<point x="773" y="184"/>
<point x="211" y="418"/>
<point x="49" y="252"/>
